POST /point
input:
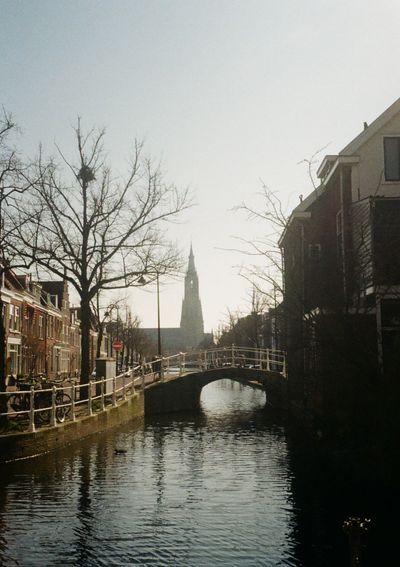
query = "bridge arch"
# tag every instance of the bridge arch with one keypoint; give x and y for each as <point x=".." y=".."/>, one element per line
<point x="182" y="393"/>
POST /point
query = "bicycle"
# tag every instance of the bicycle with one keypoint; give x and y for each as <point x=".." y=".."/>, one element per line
<point x="43" y="400"/>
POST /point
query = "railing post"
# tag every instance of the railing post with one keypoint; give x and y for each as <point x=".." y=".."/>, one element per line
<point x="102" y="392"/>
<point x="180" y="364"/>
<point x="184" y="362"/>
<point x="32" y="410"/>
<point x="205" y="360"/>
<point x="284" y="366"/>
<point x="132" y="381"/>
<point x="53" y="406"/>
<point x="233" y="355"/>
<point x="90" y="398"/>
<point x="143" y="377"/>
<point x="268" y="360"/>
<point x="114" y="392"/>
<point x="161" y="368"/>
<point x="73" y="418"/>
<point x="123" y="387"/>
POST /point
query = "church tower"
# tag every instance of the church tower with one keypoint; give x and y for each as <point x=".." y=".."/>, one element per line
<point x="192" y="326"/>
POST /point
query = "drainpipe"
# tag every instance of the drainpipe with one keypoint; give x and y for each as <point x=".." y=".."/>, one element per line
<point x="344" y="229"/>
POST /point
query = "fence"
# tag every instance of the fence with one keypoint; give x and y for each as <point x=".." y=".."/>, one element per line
<point x="52" y="403"/>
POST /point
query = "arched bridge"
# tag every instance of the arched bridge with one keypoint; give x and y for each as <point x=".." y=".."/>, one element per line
<point x="177" y="381"/>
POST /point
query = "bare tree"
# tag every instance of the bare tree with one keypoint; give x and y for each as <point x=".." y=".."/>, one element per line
<point x="13" y="182"/>
<point x="101" y="314"/>
<point x="265" y="273"/>
<point x="97" y="231"/>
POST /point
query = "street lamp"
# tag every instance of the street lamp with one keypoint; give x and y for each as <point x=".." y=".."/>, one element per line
<point x="158" y="317"/>
<point x="142" y="281"/>
<point x="117" y="352"/>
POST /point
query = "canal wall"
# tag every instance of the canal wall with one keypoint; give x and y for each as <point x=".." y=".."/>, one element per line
<point x="29" y="444"/>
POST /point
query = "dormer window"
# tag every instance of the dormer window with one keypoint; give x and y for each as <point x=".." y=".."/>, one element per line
<point x="391" y="147"/>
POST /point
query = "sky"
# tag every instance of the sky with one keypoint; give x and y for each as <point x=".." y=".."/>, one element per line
<point x="229" y="94"/>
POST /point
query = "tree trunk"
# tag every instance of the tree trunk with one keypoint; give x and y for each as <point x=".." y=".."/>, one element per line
<point x="85" y="343"/>
<point x="99" y="339"/>
<point x="3" y="355"/>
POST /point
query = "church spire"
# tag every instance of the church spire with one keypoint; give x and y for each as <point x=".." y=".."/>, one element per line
<point x="192" y="327"/>
<point x="191" y="266"/>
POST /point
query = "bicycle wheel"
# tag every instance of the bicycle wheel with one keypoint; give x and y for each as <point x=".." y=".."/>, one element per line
<point x="42" y="416"/>
<point x="16" y="402"/>
<point x="64" y="401"/>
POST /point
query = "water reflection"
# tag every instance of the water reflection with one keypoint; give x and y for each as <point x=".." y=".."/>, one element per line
<point x="233" y="485"/>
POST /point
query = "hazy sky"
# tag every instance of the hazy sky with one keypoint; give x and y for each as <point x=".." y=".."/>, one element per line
<point x="227" y="92"/>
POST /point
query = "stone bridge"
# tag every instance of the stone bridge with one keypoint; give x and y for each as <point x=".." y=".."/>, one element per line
<point x="181" y="392"/>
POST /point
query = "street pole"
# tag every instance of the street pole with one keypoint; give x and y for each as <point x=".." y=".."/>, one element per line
<point x="117" y="352"/>
<point x="158" y="317"/>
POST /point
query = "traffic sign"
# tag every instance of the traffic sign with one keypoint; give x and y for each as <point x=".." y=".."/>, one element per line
<point x="117" y="345"/>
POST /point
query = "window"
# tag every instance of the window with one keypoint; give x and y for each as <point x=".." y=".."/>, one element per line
<point x="41" y="329"/>
<point x="314" y="251"/>
<point x="14" y="353"/>
<point x="391" y="147"/>
<point x="16" y="319"/>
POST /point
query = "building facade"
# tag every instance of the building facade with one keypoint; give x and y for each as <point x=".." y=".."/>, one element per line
<point x="42" y="330"/>
<point x="341" y="267"/>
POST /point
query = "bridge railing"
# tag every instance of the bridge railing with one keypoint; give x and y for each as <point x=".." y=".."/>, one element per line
<point x="51" y="403"/>
<point x="233" y="356"/>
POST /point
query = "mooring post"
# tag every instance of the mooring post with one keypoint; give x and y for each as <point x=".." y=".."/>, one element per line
<point x="32" y="410"/>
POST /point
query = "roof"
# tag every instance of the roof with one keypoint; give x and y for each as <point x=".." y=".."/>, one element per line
<point x="372" y="129"/>
<point x="54" y="288"/>
<point x="330" y="162"/>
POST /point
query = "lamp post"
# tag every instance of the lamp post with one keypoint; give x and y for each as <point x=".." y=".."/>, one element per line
<point x="117" y="352"/>
<point x="158" y="317"/>
<point x="142" y="281"/>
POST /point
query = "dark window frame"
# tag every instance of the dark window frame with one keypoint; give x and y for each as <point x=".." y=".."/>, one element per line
<point x="391" y="145"/>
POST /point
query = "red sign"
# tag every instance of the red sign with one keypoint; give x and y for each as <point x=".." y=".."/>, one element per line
<point x="117" y="345"/>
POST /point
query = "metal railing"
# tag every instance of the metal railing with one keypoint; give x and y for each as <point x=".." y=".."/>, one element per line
<point x="53" y="403"/>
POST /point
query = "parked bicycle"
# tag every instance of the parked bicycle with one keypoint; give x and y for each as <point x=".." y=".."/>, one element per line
<point x="20" y="401"/>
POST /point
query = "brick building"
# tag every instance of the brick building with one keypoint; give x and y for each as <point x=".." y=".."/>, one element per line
<point x="341" y="264"/>
<point x="42" y="330"/>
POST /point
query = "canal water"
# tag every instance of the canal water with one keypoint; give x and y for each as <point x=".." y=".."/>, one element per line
<point x="233" y="485"/>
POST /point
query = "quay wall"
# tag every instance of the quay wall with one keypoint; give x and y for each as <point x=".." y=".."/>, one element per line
<point x="23" y="445"/>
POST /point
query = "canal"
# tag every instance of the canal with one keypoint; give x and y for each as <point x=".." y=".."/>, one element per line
<point x="231" y="486"/>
